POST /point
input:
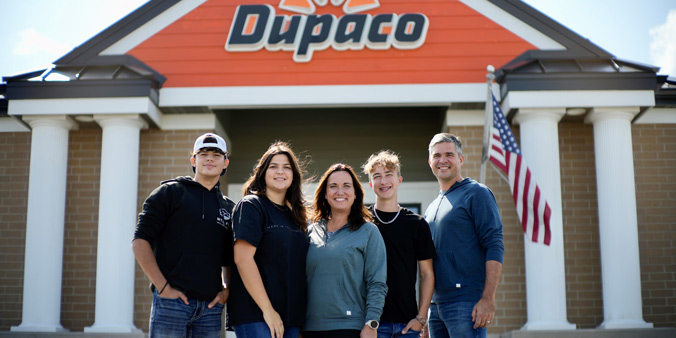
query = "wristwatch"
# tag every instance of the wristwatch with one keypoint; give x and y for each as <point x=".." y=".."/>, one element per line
<point x="372" y="324"/>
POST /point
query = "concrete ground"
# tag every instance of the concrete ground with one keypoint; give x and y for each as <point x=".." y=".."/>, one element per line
<point x="587" y="333"/>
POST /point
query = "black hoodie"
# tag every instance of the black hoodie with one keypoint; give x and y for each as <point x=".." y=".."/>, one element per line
<point x="190" y="231"/>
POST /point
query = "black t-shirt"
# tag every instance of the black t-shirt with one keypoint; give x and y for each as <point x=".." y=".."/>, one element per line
<point x="281" y="248"/>
<point x="407" y="240"/>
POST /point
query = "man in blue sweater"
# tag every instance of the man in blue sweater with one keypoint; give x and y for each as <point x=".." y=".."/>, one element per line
<point x="467" y="233"/>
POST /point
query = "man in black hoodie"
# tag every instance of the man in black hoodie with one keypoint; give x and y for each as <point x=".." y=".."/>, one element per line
<point x="183" y="243"/>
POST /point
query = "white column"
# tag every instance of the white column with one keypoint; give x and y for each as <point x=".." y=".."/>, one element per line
<point x="117" y="219"/>
<point x="545" y="265"/>
<point x="618" y="223"/>
<point x="45" y="224"/>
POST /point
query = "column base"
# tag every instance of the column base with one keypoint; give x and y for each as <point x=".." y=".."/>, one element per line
<point x="36" y="327"/>
<point x="661" y="332"/>
<point x="625" y="324"/>
<point x="548" y="326"/>
<point x="111" y="329"/>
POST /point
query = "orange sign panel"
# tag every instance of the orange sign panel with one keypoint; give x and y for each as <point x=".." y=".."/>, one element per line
<point x="328" y="42"/>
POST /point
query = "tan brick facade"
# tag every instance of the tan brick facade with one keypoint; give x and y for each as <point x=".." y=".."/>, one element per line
<point x="164" y="154"/>
<point x="655" y="167"/>
<point x="580" y="225"/>
<point x="78" y="294"/>
<point x="14" y="167"/>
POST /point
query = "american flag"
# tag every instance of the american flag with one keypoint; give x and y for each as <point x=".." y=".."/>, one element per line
<point x="531" y="206"/>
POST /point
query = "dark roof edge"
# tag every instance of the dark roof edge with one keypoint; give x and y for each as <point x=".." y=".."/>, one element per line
<point x="665" y="94"/>
<point x="34" y="90"/>
<point x="24" y="76"/>
<point x="639" y="65"/>
<point x="128" y="61"/>
<point x="125" y="60"/>
<point x="4" y="103"/>
<point x="575" y="43"/>
<point x="532" y="55"/>
<point x="92" y="47"/>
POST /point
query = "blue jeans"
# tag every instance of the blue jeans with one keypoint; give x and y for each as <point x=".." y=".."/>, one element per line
<point x="261" y="330"/>
<point x="453" y="320"/>
<point x="171" y="318"/>
<point x="393" y="330"/>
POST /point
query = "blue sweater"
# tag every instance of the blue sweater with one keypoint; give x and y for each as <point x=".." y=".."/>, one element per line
<point x="347" y="277"/>
<point x="467" y="231"/>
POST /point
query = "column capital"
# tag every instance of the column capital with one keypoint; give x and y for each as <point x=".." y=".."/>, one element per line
<point x="62" y="121"/>
<point x="527" y="114"/>
<point x="604" y="113"/>
<point x="134" y="120"/>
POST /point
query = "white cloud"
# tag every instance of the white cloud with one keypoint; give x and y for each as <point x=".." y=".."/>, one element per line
<point x="31" y="42"/>
<point x="663" y="45"/>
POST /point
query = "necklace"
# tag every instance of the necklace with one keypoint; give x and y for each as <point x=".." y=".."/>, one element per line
<point x="375" y="213"/>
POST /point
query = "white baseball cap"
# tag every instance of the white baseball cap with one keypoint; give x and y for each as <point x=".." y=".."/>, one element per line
<point x="210" y="140"/>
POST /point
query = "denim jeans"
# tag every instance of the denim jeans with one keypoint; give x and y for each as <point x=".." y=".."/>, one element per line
<point x="261" y="330"/>
<point x="453" y="320"/>
<point x="393" y="330"/>
<point x="171" y="318"/>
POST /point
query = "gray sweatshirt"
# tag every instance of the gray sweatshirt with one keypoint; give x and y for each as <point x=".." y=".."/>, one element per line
<point x="347" y="277"/>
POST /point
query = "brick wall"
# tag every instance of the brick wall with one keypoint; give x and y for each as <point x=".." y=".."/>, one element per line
<point x="14" y="167"/>
<point x="584" y="297"/>
<point x="655" y="169"/>
<point x="78" y="297"/>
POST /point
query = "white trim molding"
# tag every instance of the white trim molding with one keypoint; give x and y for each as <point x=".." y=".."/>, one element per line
<point x="657" y="116"/>
<point x="323" y="96"/>
<point x="82" y="106"/>
<point x="12" y="124"/>
<point x="188" y="121"/>
<point x="578" y="98"/>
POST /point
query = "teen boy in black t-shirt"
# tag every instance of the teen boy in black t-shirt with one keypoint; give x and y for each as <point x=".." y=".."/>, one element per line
<point x="409" y="247"/>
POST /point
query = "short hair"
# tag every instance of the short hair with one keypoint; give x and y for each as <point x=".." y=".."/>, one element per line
<point x="358" y="212"/>
<point x="446" y="138"/>
<point x="255" y="185"/>
<point x="384" y="158"/>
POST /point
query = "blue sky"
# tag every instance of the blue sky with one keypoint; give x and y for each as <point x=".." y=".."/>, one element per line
<point x="38" y="32"/>
<point x="643" y="31"/>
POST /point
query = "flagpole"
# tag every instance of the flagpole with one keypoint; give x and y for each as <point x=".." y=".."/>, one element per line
<point x="500" y="173"/>
<point x="488" y="123"/>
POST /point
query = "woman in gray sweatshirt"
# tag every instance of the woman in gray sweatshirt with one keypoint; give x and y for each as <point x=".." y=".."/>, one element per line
<point x="346" y="262"/>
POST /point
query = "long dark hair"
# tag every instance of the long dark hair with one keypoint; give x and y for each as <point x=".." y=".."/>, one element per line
<point x="358" y="212"/>
<point x="255" y="185"/>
